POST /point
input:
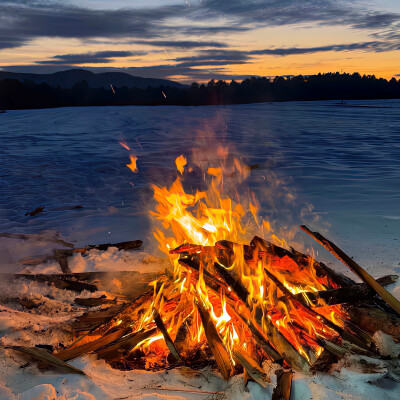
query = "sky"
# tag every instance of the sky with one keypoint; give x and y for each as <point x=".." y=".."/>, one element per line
<point x="196" y="40"/>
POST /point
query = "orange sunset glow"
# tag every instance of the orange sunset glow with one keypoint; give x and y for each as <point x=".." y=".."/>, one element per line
<point x="200" y="40"/>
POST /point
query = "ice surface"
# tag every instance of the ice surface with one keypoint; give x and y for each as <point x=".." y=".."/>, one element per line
<point x="344" y="160"/>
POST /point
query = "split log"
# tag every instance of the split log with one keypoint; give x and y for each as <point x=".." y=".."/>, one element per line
<point x="362" y="343"/>
<point x="359" y="292"/>
<point x="252" y="350"/>
<point x="215" y="342"/>
<point x="357" y="269"/>
<point x="283" y="386"/>
<point x="321" y="270"/>
<point x="251" y="367"/>
<point x="89" y="347"/>
<point x="373" y="319"/>
<point x="46" y="358"/>
<point x="94" y="319"/>
<point x="170" y="344"/>
<point x="182" y="339"/>
<point x="114" y="350"/>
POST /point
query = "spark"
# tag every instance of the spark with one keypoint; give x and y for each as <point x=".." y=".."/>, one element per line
<point x="132" y="184"/>
<point x="132" y="165"/>
<point x="163" y="94"/>
<point x="187" y="3"/>
<point x="112" y="88"/>
<point x="124" y="145"/>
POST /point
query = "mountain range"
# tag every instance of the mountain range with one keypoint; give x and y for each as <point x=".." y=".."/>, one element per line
<point x="67" y="79"/>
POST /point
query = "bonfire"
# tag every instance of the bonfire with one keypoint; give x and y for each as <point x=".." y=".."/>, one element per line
<point x="232" y="304"/>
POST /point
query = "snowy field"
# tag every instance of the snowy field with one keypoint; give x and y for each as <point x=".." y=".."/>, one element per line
<point x="334" y="167"/>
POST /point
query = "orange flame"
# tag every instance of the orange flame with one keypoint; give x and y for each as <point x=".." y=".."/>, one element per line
<point x="132" y="165"/>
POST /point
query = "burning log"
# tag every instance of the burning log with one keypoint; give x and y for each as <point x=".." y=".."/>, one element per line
<point x="215" y="342"/>
<point x="113" y="351"/>
<point x="182" y="339"/>
<point x="321" y="270"/>
<point x="344" y="334"/>
<point x="358" y="292"/>
<point x="283" y="386"/>
<point x="170" y="344"/>
<point x="69" y="354"/>
<point x="244" y="315"/>
<point x="251" y="366"/>
<point x="283" y="346"/>
<point x="358" y="270"/>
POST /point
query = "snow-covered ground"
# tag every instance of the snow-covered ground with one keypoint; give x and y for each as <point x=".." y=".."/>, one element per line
<point x="333" y="167"/>
<point x="47" y="324"/>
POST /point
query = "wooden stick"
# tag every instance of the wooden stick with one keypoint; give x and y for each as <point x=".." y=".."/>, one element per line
<point x="283" y="385"/>
<point x="89" y="347"/>
<point x="251" y="366"/>
<point x="125" y="343"/>
<point x="161" y="326"/>
<point x="215" y="342"/>
<point x="358" y="270"/>
<point x="46" y="358"/>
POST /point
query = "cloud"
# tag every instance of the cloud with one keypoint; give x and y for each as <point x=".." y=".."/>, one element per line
<point x="374" y="46"/>
<point x="180" y="44"/>
<point x="20" y="23"/>
<point x="100" y="57"/>
<point x="214" y="57"/>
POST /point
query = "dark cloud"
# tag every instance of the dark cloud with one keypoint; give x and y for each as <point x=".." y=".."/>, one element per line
<point x="100" y="57"/>
<point x="180" y="44"/>
<point x="20" y="23"/>
<point x="374" y="46"/>
<point x="23" y="20"/>
<point x="214" y="57"/>
<point x="376" y="20"/>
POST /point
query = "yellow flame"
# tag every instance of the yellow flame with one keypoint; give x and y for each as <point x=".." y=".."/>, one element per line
<point x="180" y="163"/>
<point x="132" y="165"/>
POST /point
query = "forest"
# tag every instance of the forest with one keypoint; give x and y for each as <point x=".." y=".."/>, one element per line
<point x="330" y="86"/>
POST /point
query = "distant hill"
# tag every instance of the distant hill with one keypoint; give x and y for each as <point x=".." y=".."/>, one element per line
<point x="67" y="79"/>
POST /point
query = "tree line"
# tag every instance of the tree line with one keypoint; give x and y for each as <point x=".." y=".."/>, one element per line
<point x="330" y="86"/>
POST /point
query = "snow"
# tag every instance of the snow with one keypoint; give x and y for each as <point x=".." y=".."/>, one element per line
<point x="342" y="160"/>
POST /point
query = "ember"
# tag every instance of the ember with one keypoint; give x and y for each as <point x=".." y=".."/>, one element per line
<point x="228" y="303"/>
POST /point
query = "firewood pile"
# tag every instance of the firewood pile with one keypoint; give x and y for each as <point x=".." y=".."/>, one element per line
<point x="233" y="306"/>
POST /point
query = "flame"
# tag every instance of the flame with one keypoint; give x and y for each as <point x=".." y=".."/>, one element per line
<point x="180" y="163"/>
<point x="132" y="165"/>
<point x="207" y="224"/>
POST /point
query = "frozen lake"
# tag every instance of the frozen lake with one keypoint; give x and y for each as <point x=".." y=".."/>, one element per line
<point x="342" y="159"/>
